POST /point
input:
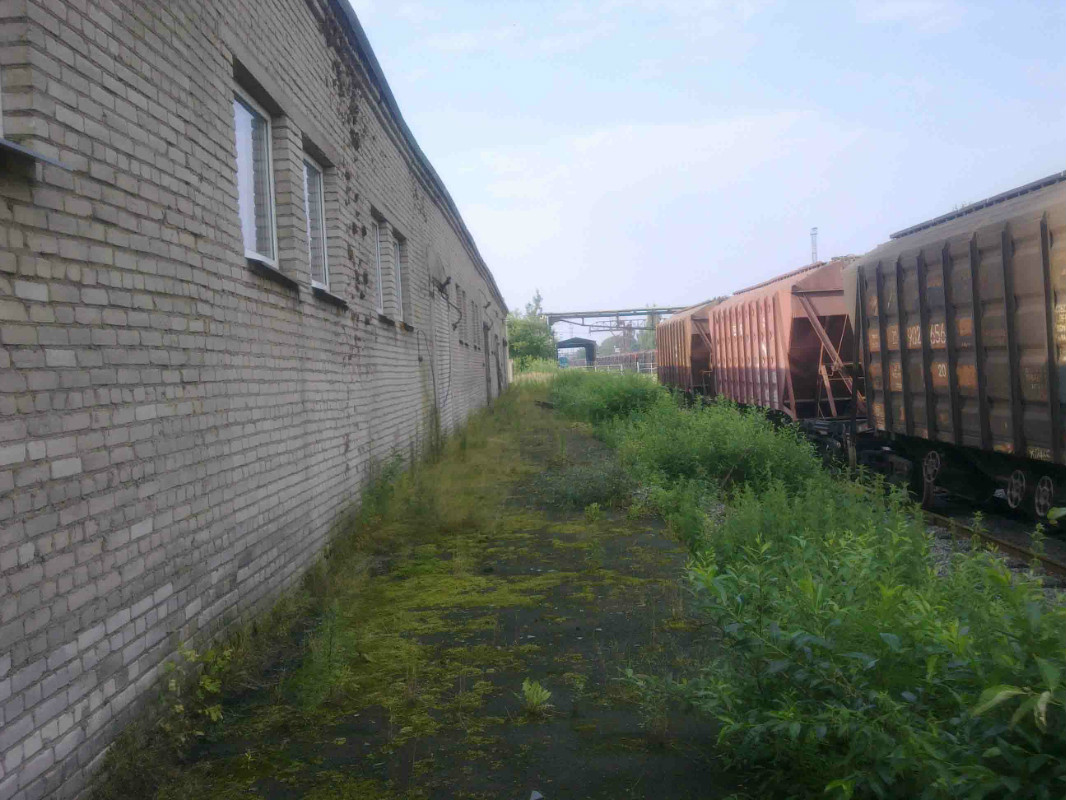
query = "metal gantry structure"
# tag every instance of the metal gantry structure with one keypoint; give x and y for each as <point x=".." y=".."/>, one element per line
<point x="617" y="315"/>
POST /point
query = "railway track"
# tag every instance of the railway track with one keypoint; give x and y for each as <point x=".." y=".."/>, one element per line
<point x="1052" y="565"/>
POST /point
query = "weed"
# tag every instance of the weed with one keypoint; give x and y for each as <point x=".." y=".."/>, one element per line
<point x="535" y="698"/>
<point x="593" y="513"/>
<point x="191" y="693"/>
<point x="576" y="681"/>
<point x="595" y="555"/>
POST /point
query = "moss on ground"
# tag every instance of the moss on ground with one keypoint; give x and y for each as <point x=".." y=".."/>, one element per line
<point x="455" y="583"/>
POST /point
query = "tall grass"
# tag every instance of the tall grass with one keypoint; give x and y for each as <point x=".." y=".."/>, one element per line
<point x="718" y="443"/>
<point x="527" y="364"/>
<point x="597" y="397"/>
<point x="848" y="667"/>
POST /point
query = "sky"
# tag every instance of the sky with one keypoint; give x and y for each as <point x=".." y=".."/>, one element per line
<point x="621" y="153"/>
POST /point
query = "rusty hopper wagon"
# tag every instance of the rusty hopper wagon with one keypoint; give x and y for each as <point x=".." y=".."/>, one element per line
<point x="683" y="350"/>
<point x="962" y="324"/>
<point x="787" y="344"/>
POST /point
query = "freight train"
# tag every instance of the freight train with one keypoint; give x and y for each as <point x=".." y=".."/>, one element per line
<point x="938" y="357"/>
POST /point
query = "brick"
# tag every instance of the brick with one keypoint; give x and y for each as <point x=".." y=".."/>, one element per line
<point x="12" y="454"/>
<point x="60" y="358"/>
<point x="142" y="528"/>
<point x="31" y="291"/>
<point x="66" y="467"/>
<point x="156" y="394"/>
<point x="13" y="311"/>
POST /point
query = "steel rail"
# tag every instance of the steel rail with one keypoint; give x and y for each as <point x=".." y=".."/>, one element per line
<point x="1051" y="565"/>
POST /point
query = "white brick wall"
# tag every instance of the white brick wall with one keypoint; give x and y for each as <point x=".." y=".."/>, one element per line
<point x="178" y="432"/>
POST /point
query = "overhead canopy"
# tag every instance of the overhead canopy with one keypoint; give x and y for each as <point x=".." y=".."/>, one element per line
<point x="576" y="342"/>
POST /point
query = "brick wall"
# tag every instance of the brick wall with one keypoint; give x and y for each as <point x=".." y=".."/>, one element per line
<point x="178" y="430"/>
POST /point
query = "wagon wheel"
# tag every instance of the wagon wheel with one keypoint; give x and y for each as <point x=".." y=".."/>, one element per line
<point x="1044" y="497"/>
<point x="853" y="454"/>
<point x="1016" y="487"/>
<point x="931" y="466"/>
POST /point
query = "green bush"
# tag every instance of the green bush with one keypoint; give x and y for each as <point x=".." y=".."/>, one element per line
<point x="851" y="668"/>
<point x="719" y="443"/>
<point x="848" y="667"/>
<point x="598" y="397"/>
<point x="533" y="364"/>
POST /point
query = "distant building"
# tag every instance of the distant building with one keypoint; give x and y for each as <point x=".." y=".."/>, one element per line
<point x="230" y="281"/>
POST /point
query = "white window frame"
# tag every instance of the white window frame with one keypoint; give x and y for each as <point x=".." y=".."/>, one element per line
<point x="310" y="162"/>
<point x="243" y="97"/>
<point x="376" y="228"/>
<point x="460" y="302"/>
<point x="399" y="244"/>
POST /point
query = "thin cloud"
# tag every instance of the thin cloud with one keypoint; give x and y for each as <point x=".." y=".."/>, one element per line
<point x="574" y="39"/>
<point x="923" y="15"/>
<point x="693" y="20"/>
<point x="471" y="41"/>
<point x="417" y="13"/>
<point x="539" y="223"/>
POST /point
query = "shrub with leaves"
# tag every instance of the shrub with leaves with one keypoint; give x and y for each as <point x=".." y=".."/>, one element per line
<point x="597" y="397"/>
<point x="526" y="365"/>
<point x="848" y="667"/>
<point x="851" y="668"/>
<point x="718" y="443"/>
<point x="192" y="693"/>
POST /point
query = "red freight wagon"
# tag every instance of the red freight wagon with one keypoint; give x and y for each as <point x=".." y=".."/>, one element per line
<point x="787" y="344"/>
<point x="683" y="350"/>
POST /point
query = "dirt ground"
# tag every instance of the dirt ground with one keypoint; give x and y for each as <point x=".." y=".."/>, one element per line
<point x="410" y="683"/>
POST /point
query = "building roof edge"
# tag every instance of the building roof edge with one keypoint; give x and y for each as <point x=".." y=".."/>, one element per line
<point x="378" y="75"/>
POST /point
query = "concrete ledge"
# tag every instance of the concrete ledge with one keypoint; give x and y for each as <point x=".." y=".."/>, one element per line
<point x="270" y="273"/>
<point x="328" y="297"/>
<point x="16" y="151"/>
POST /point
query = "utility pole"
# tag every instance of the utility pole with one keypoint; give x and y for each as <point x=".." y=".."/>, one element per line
<point x="814" y="245"/>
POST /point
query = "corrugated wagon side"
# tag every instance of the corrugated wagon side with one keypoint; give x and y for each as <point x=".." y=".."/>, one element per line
<point x="787" y="345"/>
<point x="683" y="351"/>
<point x="962" y="323"/>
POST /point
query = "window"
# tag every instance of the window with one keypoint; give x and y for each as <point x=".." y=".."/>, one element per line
<point x="255" y="181"/>
<point x="399" y="263"/>
<point x="315" y="210"/>
<point x="460" y="301"/>
<point x="377" y="266"/>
